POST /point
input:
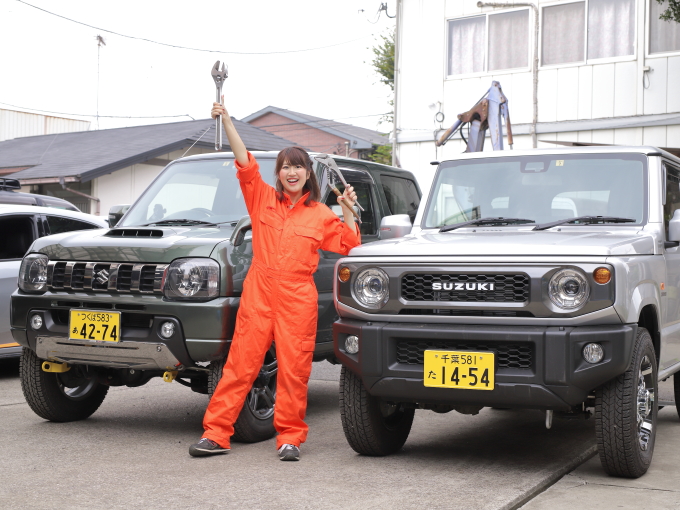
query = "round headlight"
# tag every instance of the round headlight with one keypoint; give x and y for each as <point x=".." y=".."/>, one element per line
<point x="568" y="289"/>
<point x="371" y="288"/>
<point x="196" y="278"/>
<point x="33" y="273"/>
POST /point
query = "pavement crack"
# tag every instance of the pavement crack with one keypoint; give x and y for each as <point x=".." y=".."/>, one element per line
<point x="13" y="404"/>
<point x="629" y="487"/>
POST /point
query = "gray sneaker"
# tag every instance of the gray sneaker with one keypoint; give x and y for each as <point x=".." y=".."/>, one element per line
<point x="206" y="447"/>
<point x="289" y="452"/>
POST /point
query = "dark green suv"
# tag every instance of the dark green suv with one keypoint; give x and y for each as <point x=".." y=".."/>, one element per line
<point x="157" y="294"/>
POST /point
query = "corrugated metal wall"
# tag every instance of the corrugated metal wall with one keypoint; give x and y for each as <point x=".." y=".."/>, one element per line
<point x="15" y="124"/>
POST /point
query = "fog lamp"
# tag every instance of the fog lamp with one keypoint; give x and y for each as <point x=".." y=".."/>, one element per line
<point x="36" y="322"/>
<point x="352" y="344"/>
<point x="344" y="274"/>
<point x="593" y="353"/>
<point x="167" y="329"/>
<point x="602" y="275"/>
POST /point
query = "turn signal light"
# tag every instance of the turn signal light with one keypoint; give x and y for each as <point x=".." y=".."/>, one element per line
<point x="344" y="274"/>
<point x="602" y="275"/>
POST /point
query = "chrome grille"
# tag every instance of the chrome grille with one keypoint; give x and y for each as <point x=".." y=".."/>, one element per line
<point x="507" y="288"/>
<point x="508" y="355"/>
<point x="106" y="277"/>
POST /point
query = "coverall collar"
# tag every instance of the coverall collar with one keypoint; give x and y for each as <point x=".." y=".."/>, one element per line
<point x="290" y="202"/>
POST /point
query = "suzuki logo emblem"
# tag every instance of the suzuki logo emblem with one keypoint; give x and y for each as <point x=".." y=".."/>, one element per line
<point x="462" y="286"/>
<point x="102" y="276"/>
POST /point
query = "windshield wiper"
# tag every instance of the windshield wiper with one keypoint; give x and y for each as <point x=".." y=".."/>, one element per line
<point x="180" y="221"/>
<point x="485" y="221"/>
<point x="585" y="220"/>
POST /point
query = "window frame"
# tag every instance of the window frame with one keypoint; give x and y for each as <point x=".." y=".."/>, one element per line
<point x="486" y="70"/>
<point x="586" y="61"/>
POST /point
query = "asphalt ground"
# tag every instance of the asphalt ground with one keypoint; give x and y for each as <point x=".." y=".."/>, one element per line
<point x="132" y="453"/>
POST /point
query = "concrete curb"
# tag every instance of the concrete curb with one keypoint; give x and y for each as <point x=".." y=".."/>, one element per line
<point x="549" y="480"/>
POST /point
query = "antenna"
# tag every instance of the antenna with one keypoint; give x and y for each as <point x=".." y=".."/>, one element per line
<point x="100" y="43"/>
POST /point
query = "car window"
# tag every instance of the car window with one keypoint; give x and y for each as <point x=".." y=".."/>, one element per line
<point x="59" y="224"/>
<point x="363" y="191"/>
<point x="672" y="195"/>
<point x="18" y="233"/>
<point x="58" y="203"/>
<point x="401" y="194"/>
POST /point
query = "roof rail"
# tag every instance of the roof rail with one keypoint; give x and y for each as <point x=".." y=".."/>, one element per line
<point x="7" y="184"/>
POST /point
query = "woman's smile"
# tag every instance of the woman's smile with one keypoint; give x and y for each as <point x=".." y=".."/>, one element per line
<point x="293" y="179"/>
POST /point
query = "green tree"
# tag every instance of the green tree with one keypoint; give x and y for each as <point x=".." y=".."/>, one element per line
<point x="672" y="12"/>
<point x="383" y="65"/>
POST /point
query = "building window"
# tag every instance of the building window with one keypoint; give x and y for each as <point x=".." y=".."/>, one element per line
<point x="492" y="42"/>
<point x="466" y="45"/>
<point x="508" y="40"/>
<point x="563" y="39"/>
<point x="611" y="28"/>
<point x="663" y="35"/>
<point x="610" y="31"/>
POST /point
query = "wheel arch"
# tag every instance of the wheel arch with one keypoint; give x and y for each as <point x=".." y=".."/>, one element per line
<point x="649" y="319"/>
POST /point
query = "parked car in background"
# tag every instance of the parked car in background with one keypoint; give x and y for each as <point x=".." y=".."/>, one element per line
<point x="20" y="225"/>
<point x="9" y="196"/>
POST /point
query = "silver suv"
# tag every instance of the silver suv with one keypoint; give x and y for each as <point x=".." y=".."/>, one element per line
<point x="544" y="279"/>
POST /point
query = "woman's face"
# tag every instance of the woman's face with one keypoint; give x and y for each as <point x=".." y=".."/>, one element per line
<point x="293" y="179"/>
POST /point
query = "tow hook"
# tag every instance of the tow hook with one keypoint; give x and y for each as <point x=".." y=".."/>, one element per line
<point x="170" y="375"/>
<point x="58" y="368"/>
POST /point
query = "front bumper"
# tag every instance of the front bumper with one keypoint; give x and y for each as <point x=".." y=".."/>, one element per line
<point x="202" y="330"/>
<point x="544" y="367"/>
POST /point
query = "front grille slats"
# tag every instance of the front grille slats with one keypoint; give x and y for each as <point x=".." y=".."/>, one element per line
<point x="519" y="355"/>
<point x="105" y="277"/>
<point x="463" y="287"/>
<point x="464" y="313"/>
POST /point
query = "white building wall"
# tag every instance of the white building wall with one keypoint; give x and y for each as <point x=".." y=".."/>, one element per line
<point x="15" y="124"/>
<point x="591" y="90"/>
<point x="126" y="185"/>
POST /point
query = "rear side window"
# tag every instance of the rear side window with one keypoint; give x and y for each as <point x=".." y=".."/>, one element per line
<point x="363" y="191"/>
<point x="59" y="224"/>
<point x="401" y="194"/>
<point x="18" y="234"/>
<point x="672" y="198"/>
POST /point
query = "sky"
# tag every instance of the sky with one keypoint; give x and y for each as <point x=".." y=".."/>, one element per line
<point x="48" y="63"/>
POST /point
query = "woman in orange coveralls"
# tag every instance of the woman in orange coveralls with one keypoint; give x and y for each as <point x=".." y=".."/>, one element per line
<point x="279" y="300"/>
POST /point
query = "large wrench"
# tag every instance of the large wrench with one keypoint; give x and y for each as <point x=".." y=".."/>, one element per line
<point x="219" y="76"/>
<point x="330" y="163"/>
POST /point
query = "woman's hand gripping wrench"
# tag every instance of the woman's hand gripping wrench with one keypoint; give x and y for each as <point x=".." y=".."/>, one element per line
<point x="332" y="166"/>
<point x="219" y="76"/>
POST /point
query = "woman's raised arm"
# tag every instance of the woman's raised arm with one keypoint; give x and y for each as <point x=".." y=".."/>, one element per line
<point x="235" y="142"/>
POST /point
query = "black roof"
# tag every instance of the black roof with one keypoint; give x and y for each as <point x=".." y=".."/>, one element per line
<point x="86" y="155"/>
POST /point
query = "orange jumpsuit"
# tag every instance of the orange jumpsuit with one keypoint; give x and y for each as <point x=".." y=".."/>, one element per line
<point x="279" y="302"/>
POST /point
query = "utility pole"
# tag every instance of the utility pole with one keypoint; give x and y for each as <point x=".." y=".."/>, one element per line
<point x="397" y="20"/>
<point x="100" y="43"/>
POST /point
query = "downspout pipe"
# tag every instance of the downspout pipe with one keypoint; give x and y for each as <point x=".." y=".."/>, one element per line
<point x="534" y="69"/>
<point x="96" y="200"/>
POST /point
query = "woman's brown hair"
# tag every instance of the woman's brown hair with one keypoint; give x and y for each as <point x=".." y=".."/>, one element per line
<point x="298" y="156"/>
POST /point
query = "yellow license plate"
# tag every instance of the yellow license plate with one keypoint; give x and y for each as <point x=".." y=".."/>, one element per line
<point x="460" y="369"/>
<point x="94" y="325"/>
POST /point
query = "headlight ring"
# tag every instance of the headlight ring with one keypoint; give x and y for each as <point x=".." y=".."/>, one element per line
<point x="568" y="289"/>
<point x="33" y="273"/>
<point x="192" y="279"/>
<point x="371" y="288"/>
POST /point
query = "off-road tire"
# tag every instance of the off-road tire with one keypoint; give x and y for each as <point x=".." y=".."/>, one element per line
<point x="676" y="391"/>
<point x="616" y="414"/>
<point x="47" y="396"/>
<point x="367" y="429"/>
<point x="249" y="428"/>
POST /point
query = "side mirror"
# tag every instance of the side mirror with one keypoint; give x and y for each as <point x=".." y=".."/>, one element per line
<point x="392" y="227"/>
<point x="116" y="213"/>
<point x="239" y="233"/>
<point x="674" y="227"/>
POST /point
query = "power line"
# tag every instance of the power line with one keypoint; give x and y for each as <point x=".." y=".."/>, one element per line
<point x="102" y="116"/>
<point x="186" y="47"/>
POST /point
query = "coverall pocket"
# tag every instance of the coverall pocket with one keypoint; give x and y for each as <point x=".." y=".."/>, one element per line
<point x="304" y="361"/>
<point x="271" y="228"/>
<point x="307" y="241"/>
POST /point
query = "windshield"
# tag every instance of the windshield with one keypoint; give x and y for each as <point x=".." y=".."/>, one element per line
<point x="203" y="190"/>
<point x="539" y="188"/>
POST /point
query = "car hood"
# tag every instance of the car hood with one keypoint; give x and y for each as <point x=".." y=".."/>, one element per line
<point x="97" y="245"/>
<point x="513" y="242"/>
